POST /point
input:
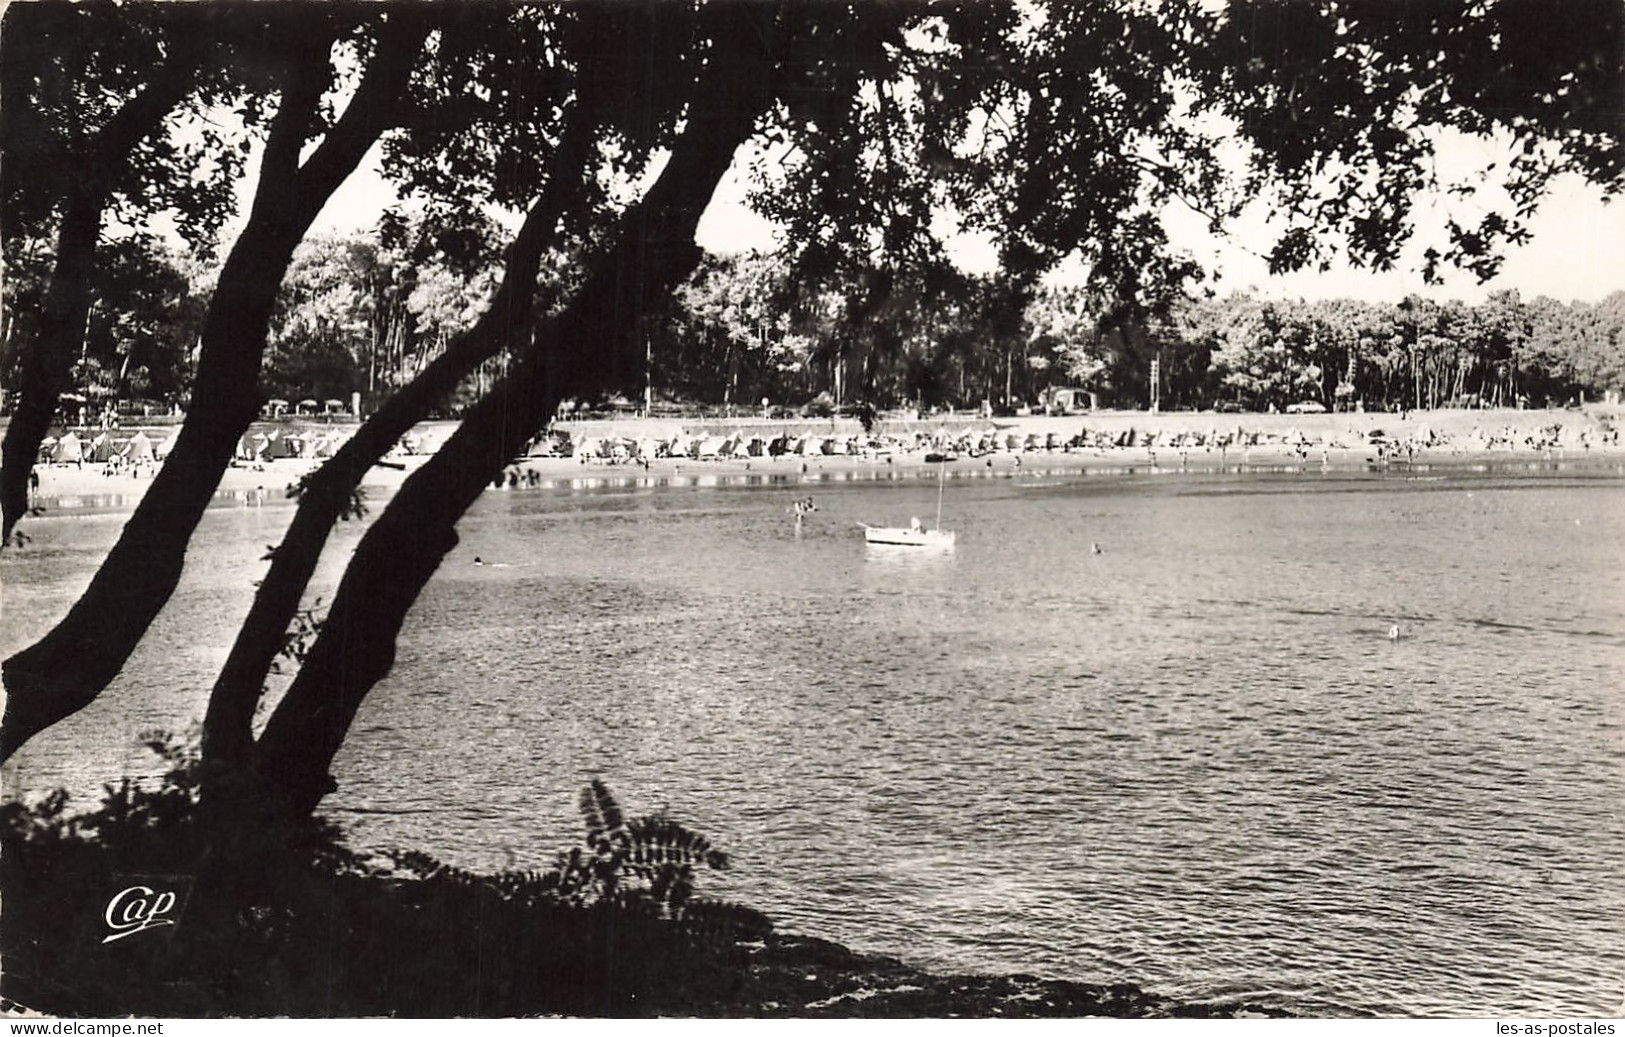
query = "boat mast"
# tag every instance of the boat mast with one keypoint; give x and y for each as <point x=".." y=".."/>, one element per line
<point x="942" y="467"/>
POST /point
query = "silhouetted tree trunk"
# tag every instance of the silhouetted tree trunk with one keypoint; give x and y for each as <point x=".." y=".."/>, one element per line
<point x="591" y="345"/>
<point x="47" y="362"/>
<point x="326" y="494"/>
<point x="66" y="669"/>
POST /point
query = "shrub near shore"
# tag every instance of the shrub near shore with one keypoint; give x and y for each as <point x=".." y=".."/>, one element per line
<point x="292" y="923"/>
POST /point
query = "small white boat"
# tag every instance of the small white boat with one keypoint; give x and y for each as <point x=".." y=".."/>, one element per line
<point x="909" y="536"/>
<point x="913" y="534"/>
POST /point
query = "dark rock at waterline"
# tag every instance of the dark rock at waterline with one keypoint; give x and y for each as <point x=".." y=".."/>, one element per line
<point x="803" y="977"/>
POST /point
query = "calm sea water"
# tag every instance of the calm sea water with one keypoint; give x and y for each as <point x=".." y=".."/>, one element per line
<point x="1194" y="760"/>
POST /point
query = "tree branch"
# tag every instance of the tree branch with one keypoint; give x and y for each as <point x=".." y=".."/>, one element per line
<point x="591" y="344"/>
<point x="66" y="669"/>
<point x="327" y="492"/>
<point x="47" y="363"/>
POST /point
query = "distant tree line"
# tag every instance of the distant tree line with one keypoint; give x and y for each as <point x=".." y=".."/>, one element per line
<point x="366" y="311"/>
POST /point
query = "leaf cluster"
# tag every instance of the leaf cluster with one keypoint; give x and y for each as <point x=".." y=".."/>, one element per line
<point x="638" y="867"/>
<point x="1345" y="103"/>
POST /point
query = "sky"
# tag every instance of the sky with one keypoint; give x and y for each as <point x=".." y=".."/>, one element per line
<point x="1577" y="251"/>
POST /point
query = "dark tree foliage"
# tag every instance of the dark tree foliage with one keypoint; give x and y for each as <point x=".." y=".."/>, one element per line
<point x="313" y="929"/>
<point x="1343" y="91"/>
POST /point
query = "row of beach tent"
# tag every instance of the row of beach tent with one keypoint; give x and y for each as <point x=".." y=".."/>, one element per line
<point x="976" y="442"/>
<point x="705" y="447"/>
<point x="266" y="445"/>
<point x="271" y="446"/>
<point x="71" y="448"/>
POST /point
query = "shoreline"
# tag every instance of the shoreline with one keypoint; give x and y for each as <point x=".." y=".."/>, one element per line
<point x="66" y="491"/>
<point x="1020" y="447"/>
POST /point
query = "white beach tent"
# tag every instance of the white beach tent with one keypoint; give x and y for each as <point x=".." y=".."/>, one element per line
<point x="138" y="449"/>
<point x="68" y="450"/>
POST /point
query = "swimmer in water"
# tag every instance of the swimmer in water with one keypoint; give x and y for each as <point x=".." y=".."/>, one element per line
<point x="1094" y="548"/>
<point x="1393" y="632"/>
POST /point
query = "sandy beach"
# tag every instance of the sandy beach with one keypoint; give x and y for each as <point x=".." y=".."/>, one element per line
<point x="1230" y="442"/>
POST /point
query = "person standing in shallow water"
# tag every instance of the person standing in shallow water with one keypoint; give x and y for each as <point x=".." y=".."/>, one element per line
<point x="802" y="507"/>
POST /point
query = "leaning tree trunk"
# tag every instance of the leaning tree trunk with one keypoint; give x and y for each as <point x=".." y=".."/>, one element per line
<point x="66" y="669"/>
<point x="325" y="496"/>
<point x="592" y="344"/>
<point x="47" y="362"/>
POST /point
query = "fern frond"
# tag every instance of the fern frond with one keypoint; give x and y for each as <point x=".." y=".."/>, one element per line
<point x="603" y="817"/>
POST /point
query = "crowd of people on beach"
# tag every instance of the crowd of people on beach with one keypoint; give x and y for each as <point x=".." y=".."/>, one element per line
<point x="974" y="442"/>
<point x="137" y="454"/>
